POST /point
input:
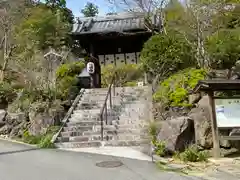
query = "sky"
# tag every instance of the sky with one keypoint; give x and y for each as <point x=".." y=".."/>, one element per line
<point x="77" y="5"/>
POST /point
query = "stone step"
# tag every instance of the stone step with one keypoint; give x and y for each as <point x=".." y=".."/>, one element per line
<point x="94" y="128"/>
<point x="84" y="138"/>
<point x="133" y="131"/>
<point x="80" y="119"/>
<point x="131" y="126"/>
<point x="129" y="121"/>
<point x="78" y="144"/>
<point x="97" y="137"/>
<point x="100" y="143"/>
<point x="88" y="106"/>
<point x="84" y="123"/>
<point x="77" y="128"/>
<point x="85" y="133"/>
<point x="92" y="111"/>
<point x="126" y="143"/>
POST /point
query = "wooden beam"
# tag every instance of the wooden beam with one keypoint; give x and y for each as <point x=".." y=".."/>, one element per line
<point x="215" y="135"/>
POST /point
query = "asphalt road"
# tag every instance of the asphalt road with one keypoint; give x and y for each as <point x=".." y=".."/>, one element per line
<point x="21" y="162"/>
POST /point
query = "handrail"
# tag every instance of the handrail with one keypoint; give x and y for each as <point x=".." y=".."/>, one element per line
<point x="104" y="107"/>
<point x="69" y="113"/>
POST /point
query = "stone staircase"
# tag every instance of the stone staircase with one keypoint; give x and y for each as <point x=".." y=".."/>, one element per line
<point x="126" y="123"/>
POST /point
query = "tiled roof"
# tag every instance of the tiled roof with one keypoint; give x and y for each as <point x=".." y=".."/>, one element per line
<point x="113" y="23"/>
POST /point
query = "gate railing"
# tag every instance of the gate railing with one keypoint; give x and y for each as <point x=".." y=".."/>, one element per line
<point x="105" y="109"/>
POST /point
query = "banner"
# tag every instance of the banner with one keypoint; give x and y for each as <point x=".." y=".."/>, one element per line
<point x="227" y="112"/>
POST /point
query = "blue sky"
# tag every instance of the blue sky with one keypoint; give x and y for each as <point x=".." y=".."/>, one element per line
<point x="77" y="5"/>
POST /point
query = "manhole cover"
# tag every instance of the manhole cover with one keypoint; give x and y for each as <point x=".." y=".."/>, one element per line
<point x="109" y="164"/>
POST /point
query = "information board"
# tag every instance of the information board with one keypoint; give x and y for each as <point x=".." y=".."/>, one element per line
<point x="227" y="112"/>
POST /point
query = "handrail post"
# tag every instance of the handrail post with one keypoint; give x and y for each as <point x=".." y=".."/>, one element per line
<point x="101" y="127"/>
<point x="106" y="113"/>
<point x="110" y="98"/>
<point x="114" y="86"/>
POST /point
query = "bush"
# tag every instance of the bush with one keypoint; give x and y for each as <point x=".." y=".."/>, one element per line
<point x="42" y="140"/>
<point x="224" y="48"/>
<point x="192" y="154"/>
<point x="153" y="131"/>
<point x="126" y="75"/>
<point x="7" y="93"/>
<point x="165" y="55"/>
<point x="71" y="69"/>
<point x="67" y="79"/>
<point x="27" y="97"/>
<point x="160" y="148"/>
<point x="173" y="91"/>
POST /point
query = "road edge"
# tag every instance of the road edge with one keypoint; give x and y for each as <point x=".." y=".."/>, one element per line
<point x="17" y="142"/>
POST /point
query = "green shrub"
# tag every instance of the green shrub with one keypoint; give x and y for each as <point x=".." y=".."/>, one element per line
<point x="125" y="75"/>
<point x="45" y="142"/>
<point x="160" y="148"/>
<point x="30" y="139"/>
<point x="165" y="55"/>
<point x="192" y="154"/>
<point x="71" y="69"/>
<point x="7" y="93"/>
<point x="41" y="140"/>
<point x="130" y="84"/>
<point x="67" y="78"/>
<point x="153" y="131"/>
<point x="173" y="91"/>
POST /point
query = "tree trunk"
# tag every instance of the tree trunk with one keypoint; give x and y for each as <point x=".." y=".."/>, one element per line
<point x="5" y="58"/>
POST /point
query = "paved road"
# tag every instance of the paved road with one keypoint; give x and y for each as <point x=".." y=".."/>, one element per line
<point x="21" y="162"/>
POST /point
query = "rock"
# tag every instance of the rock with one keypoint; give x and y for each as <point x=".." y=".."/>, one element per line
<point x="202" y="123"/>
<point x="40" y="121"/>
<point x="194" y="98"/>
<point x="201" y="116"/>
<point x="177" y="133"/>
<point x="5" y="130"/>
<point x="17" y="131"/>
<point x="3" y="114"/>
<point x="15" y="119"/>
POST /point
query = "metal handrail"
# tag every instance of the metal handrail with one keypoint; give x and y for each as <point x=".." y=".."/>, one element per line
<point x="104" y="107"/>
<point x="68" y="115"/>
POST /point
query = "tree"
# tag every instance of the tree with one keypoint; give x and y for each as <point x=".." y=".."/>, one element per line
<point x="224" y="48"/>
<point x="42" y="29"/>
<point x="90" y="10"/>
<point x="163" y="55"/>
<point x="56" y="3"/>
<point x="60" y="5"/>
<point x="10" y="13"/>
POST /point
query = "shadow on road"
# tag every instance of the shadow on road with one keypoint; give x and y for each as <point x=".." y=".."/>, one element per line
<point x="18" y="151"/>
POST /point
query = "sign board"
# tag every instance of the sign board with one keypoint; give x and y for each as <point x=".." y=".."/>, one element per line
<point x="227" y="112"/>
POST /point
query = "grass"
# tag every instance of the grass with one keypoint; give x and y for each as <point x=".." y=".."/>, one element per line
<point x="41" y="140"/>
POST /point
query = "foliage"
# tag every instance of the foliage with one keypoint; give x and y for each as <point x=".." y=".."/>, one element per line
<point x="153" y="131"/>
<point x="192" y="154"/>
<point x="124" y="75"/>
<point x="163" y="54"/>
<point x="56" y="3"/>
<point x="173" y="91"/>
<point x="224" y="48"/>
<point x="42" y="29"/>
<point x="70" y="69"/>
<point x="7" y="93"/>
<point x="160" y="148"/>
<point x="67" y="78"/>
<point x="42" y="140"/>
<point x="90" y="10"/>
